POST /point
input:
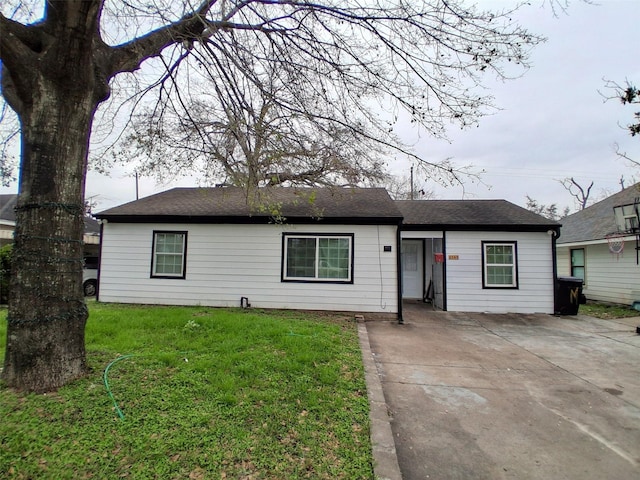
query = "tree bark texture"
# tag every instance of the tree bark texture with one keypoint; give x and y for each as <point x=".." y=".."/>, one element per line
<point x="55" y="100"/>
<point x="47" y="313"/>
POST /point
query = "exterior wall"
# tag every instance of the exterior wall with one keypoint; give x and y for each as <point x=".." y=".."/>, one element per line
<point x="464" y="292"/>
<point x="564" y="261"/>
<point x="6" y="233"/>
<point x="607" y="278"/>
<point x="226" y="262"/>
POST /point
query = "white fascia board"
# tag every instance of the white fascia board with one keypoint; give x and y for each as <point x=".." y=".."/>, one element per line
<point x="600" y="241"/>
<point x="421" y="234"/>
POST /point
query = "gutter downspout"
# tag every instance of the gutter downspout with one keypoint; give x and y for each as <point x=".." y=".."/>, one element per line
<point x="399" y="270"/>
<point x="102" y="222"/>
<point x="555" y="234"/>
<point x="444" y="271"/>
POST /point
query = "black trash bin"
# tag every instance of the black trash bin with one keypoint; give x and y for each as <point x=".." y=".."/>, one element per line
<point x="568" y="295"/>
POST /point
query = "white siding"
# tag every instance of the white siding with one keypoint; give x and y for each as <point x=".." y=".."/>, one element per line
<point x="564" y="262"/>
<point x="464" y="276"/>
<point x="226" y="262"/>
<point x="607" y="278"/>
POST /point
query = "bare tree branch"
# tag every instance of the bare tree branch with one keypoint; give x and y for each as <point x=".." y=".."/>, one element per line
<point x="577" y="191"/>
<point x="627" y="95"/>
<point x="129" y="56"/>
<point x="626" y="156"/>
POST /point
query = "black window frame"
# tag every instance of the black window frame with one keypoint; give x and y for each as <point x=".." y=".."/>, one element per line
<point x="583" y="266"/>
<point x="516" y="280"/>
<point x="183" y="274"/>
<point x="283" y="257"/>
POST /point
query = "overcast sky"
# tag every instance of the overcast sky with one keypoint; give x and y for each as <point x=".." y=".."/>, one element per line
<point x="553" y="122"/>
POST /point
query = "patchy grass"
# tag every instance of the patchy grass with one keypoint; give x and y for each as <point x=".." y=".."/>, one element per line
<point x="206" y="393"/>
<point x="607" y="310"/>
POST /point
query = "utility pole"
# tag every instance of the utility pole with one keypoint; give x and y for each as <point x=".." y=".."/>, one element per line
<point x="136" y="185"/>
<point x="411" y="182"/>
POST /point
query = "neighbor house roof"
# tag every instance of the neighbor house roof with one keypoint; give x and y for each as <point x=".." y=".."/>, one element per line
<point x="8" y="204"/>
<point x="596" y="221"/>
<point x="234" y="204"/>
<point x="471" y="215"/>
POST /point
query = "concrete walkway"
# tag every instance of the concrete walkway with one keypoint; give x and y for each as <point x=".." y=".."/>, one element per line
<point x="479" y="396"/>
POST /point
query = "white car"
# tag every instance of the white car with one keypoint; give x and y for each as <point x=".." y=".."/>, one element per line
<point x="90" y="276"/>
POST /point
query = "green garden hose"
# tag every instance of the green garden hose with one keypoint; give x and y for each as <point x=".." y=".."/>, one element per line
<point x="106" y="384"/>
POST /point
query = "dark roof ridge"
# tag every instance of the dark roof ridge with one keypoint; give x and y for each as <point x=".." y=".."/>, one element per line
<point x="225" y="203"/>
<point x="472" y="214"/>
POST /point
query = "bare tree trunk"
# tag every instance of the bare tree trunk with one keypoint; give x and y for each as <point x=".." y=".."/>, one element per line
<point x="47" y="313"/>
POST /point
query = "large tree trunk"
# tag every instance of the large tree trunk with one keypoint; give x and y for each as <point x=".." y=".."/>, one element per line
<point x="55" y="93"/>
<point x="54" y="75"/>
<point x="47" y="313"/>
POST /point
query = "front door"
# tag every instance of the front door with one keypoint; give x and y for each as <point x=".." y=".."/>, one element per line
<point x="412" y="269"/>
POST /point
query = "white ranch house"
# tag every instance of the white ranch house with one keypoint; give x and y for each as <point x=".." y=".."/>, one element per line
<point x="333" y="249"/>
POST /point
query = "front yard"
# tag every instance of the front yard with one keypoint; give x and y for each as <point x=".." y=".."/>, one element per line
<point x="198" y="393"/>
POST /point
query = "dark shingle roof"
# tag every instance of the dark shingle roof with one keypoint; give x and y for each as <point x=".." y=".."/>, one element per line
<point x="371" y="205"/>
<point x="232" y="204"/>
<point x="91" y="225"/>
<point x="7" y="205"/>
<point x="471" y="214"/>
<point x="596" y="221"/>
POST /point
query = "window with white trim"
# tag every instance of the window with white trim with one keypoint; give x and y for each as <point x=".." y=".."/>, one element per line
<point x="169" y="254"/>
<point x="318" y="258"/>
<point x="499" y="264"/>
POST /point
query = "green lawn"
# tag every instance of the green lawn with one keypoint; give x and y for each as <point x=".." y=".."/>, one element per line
<point x="205" y="394"/>
<point x="607" y="310"/>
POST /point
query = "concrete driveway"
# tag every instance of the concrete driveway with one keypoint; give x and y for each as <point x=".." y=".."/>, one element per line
<point x="481" y="396"/>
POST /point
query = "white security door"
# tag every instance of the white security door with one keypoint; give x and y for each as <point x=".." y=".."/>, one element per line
<point x="412" y="269"/>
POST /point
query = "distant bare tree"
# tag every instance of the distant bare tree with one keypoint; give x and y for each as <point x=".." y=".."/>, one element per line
<point x="548" y="211"/>
<point x="250" y="143"/>
<point x="400" y="188"/>
<point x="577" y="191"/>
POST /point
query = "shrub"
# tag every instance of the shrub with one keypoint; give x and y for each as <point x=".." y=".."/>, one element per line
<point x="5" y="272"/>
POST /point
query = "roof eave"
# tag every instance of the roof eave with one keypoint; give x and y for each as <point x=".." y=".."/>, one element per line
<point x="483" y="227"/>
<point x="254" y="219"/>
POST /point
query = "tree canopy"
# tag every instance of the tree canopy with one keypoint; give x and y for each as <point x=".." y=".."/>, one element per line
<point x="326" y="69"/>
